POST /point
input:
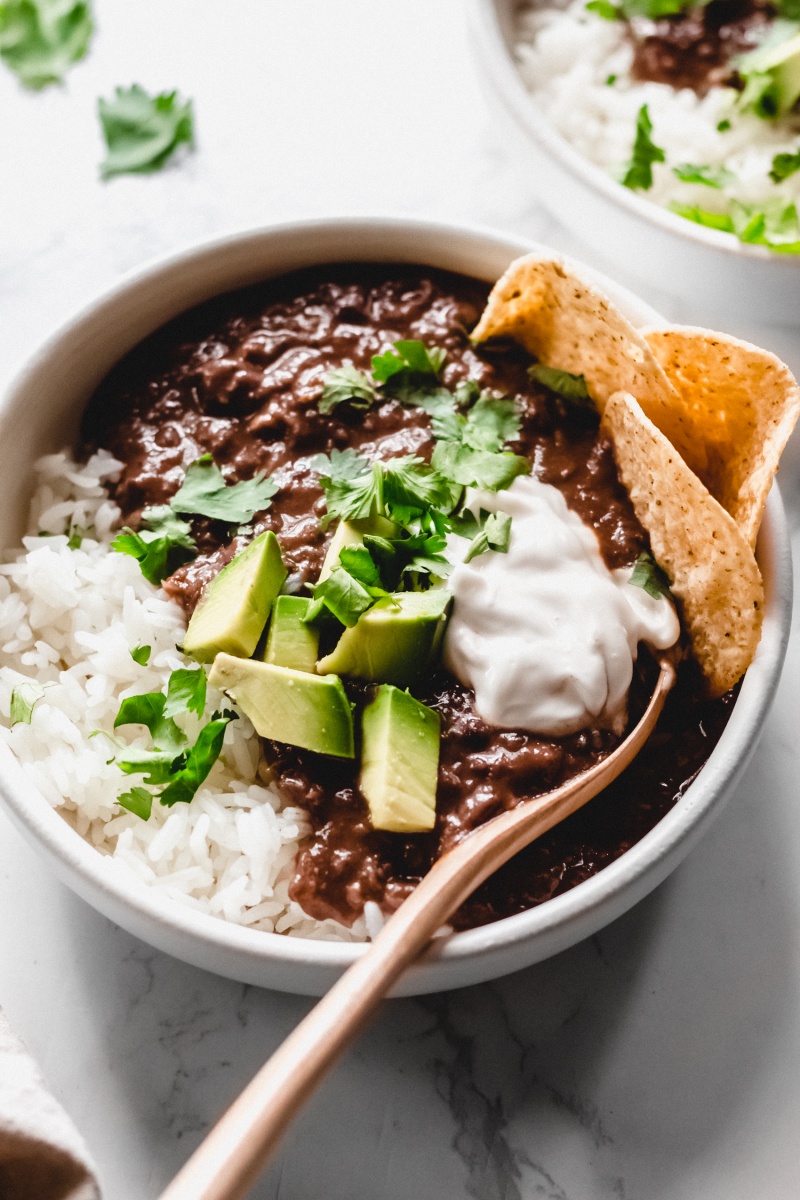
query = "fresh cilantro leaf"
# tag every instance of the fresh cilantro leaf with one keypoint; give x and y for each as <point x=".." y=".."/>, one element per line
<point x="156" y="766"/>
<point x="639" y="172"/>
<point x="199" y="761"/>
<point x="605" y="9"/>
<point x="723" y="126"/>
<point x="161" y="545"/>
<point x="352" y="499"/>
<point x="784" y="166"/>
<point x="495" y="535"/>
<point x="654" y="9"/>
<point x="701" y="216"/>
<point x="775" y="225"/>
<point x="346" y="384"/>
<point x="447" y="423"/>
<point x="566" y="385"/>
<point x="186" y="692"/>
<point x="490" y="424"/>
<point x="467" y="392"/>
<point x="760" y="95"/>
<point x="610" y="80"/>
<point x="647" y="574"/>
<point x="40" y="39"/>
<point x="204" y="493"/>
<point x="340" y="467"/>
<point x="358" y="563"/>
<point x="150" y="710"/>
<point x="141" y="655"/>
<point x="138" y="801"/>
<point x="710" y="176"/>
<point x="141" y="131"/>
<point x="408" y="356"/>
<point x="411" y="484"/>
<point x="24" y="698"/>
<point x="342" y="595"/>
<point x="478" y="468"/>
<point x="76" y="535"/>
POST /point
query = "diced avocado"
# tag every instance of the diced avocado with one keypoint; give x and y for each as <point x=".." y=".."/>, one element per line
<point x="351" y="533"/>
<point x="778" y="58"/>
<point x="235" y="605"/>
<point x="290" y="642"/>
<point x="394" y="641"/>
<point x="311" y="711"/>
<point x="399" y="761"/>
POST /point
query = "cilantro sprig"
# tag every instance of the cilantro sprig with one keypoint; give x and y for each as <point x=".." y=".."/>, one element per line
<point x="24" y="698"/>
<point x="162" y="543"/>
<point x="41" y="39"/>
<point x="649" y="576"/>
<point x="170" y="761"/>
<point x="494" y="535"/>
<point x="639" y="172"/>
<point x="142" y="132"/>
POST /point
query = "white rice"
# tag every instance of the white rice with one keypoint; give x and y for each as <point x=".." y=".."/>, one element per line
<point x="69" y="619"/>
<point x="566" y="55"/>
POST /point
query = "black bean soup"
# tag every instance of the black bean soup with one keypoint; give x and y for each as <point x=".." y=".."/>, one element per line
<point x="240" y="377"/>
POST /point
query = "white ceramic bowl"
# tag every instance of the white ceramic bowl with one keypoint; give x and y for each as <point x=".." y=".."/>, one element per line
<point x="40" y="413"/>
<point x="720" y="273"/>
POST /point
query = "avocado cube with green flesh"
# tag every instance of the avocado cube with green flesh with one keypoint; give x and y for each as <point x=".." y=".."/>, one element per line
<point x="394" y="641"/>
<point x="399" y="762"/>
<point x="290" y="641"/>
<point x="310" y="711"/>
<point x="235" y="605"/>
<point x="351" y="533"/>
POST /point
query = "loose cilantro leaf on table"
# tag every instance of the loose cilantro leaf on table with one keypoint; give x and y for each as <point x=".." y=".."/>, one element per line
<point x="141" y="655"/>
<point x="24" y="698"/>
<point x="563" y="383"/>
<point x="142" y="131"/>
<point x="162" y="544"/>
<point x="649" y="576"/>
<point x="495" y="535"/>
<point x="41" y="39"/>
<point x="204" y="493"/>
<point x="784" y="166"/>
<point x="710" y="176"/>
<point x="346" y="385"/>
<point x="138" y="801"/>
<point x="639" y="173"/>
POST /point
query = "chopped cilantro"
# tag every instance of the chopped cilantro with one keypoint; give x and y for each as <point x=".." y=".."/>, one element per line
<point x="204" y="493"/>
<point x="142" y="132"/>
<point x="161" y="545"/>
<point x="478" y="468"/>
<point x="408" y="357"/>
<point x="610" y="80"/>
<point x="495" y="535"/>
<point x="639" y="172"/>
<point x="653" y="9"/>
<point x="346" y="384"/>
<point x="723" y="126"/>
<point x="141" y="655"/>
<point x="198" y="762"/>
<point x="138" y="801"/>
<point x="358" y="563"/>
<point x="491" y="423"/>
<point x="41" y="39"/>
<point x="24" y="698"/>
<point x="775" y="225"/>
<point x="605" y="9"/>
<point x="784" y="165"/>
<point x="186" y="692"/>
<point x="343" y="595"/>
<point x="700" y="216"/>
<point x="710" y="176"/>
<point x="563" y="383"/>
<point x="647" y="574"/>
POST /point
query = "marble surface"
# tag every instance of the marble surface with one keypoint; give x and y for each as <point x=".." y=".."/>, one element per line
<point x="657" y="1061"/>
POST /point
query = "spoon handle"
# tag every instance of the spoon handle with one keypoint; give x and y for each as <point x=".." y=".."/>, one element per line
<point x="227" y="1163"/>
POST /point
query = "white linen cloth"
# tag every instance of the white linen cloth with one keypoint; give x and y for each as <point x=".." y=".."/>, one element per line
<point x="42" y="1155"/>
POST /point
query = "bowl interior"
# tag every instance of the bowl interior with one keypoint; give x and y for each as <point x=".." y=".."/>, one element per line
<point x="40" y="413"/>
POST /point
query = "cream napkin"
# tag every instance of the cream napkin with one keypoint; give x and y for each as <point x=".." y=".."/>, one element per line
<point x="42" y="1155"/>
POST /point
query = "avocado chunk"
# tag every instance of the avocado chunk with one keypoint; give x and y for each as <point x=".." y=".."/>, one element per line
<point x="772" y="72"/>
<point x="399" y="761"/>
<point x="394" y="641"/>
<point x="351" y="533"/>
<point x="290" y="642"/>
<point x="311" y="711"/>
<point x="235" y="605"/>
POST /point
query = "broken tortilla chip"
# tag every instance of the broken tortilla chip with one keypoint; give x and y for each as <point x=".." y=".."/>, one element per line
<point x="711" y="566"/>
<point x="551" y="308"/>
<point x="739" y="405"/>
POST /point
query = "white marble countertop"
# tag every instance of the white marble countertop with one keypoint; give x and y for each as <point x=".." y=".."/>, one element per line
<point x="658" y="1061"/>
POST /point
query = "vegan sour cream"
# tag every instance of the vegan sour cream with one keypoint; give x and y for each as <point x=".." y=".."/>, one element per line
<point x="545" y="634"/>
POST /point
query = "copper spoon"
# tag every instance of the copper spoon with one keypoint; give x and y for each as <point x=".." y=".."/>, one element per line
<point x="229" y="1160"/>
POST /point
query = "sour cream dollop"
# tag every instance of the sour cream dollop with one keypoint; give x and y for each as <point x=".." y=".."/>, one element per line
<point x="545" y="634"/>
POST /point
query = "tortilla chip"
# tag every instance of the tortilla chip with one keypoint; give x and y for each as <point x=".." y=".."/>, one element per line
<point x="740" y="405"/>
<point x="712" y="568"/>
<point x="558" y="315"/>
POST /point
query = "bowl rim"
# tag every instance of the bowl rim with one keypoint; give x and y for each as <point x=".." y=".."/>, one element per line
<point x="492" y="49"/>
<point x="68" y="851"/>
